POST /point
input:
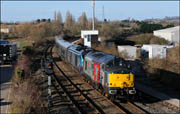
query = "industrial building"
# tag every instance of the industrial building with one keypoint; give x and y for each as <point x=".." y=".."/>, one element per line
<point x="130" y="50"/>
<point x="170" y="34"/>
<point x="153" y="51"/>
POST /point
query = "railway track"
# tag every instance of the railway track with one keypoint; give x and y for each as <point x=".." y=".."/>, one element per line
<point x="81" y="102"/>
<point x="77" y="101"/>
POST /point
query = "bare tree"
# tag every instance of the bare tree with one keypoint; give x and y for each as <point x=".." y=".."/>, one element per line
<point x="59" y="17"/>
<point x="69" y="20"/>
<point x="55" y="16"/>
<point x="83" y="21"/>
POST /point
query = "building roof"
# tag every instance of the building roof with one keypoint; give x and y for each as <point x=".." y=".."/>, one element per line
<point x="90" y="32"/>
<point x="172" y="29"/>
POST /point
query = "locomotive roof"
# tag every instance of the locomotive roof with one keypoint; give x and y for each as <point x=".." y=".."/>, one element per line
<point x="62" y="42"/>
<point x="76" y="48"/>
<point x="99" y="57"/>
<point x="79" y="49"/>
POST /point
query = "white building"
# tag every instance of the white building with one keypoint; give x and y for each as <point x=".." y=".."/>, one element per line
<point x="90" y="37"/>
<point x="130" y="50"/>
<point x="170" y="34"/>
<point x="153" y="51"/>
<point x="5" y="30"/>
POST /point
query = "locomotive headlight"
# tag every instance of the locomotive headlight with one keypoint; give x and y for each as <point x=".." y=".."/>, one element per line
<point x="4" y="54"/>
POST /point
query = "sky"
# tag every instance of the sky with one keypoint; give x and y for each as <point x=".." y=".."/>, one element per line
<point x="18" y="11"/>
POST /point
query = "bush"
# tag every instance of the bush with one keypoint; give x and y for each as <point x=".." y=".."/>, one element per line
<point x="173" y="55"/>
<point x="109" y="31"/>
<point x="149" y="28"/>
<point x="26" y="97"/>
<point x="110" y="50"/>
<point x="156" y="40"/>
<point x="147" y="39"/>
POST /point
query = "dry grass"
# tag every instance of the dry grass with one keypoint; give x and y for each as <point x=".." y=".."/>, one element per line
<point x="110" y="50"/>
<point x="22" y="69"/>
<point x="174" y="55"/>
<point x="26" y="94"/>
<point x="26" y="98"/>
<point x="163" y="72"/>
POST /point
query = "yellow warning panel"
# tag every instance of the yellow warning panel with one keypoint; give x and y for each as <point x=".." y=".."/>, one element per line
<point x="121" y="80"/>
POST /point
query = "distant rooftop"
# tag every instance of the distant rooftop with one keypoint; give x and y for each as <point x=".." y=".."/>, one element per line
<point x="172" y="29"/>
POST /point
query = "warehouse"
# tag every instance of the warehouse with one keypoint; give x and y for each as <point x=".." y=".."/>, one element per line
<point x="170" y="34"/>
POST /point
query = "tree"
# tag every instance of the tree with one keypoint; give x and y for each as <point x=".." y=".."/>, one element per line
<point x="55" y="16"/>
<point x="69" y="20"/>
<point x="89" y="25"/>
<point x="83" y="21"/>
<point x="169" y="26"/>
<point x="38" y="20"/>
<point x="109" y="31"/>
<point x="59" y="17"/>
<point x="149" y="28"/>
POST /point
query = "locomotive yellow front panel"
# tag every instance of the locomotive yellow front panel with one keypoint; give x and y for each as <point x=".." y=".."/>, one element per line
<point x="121" y="80"/>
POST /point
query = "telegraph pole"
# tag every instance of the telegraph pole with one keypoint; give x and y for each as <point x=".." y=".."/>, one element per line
<point x="93" y="19"/>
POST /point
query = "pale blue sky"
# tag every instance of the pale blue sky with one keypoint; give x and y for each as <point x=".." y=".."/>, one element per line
<point x="114" y="10"/>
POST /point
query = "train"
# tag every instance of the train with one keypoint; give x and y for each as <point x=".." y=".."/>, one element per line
<point x="7" y="52"/>
<point x="110" y="74"/>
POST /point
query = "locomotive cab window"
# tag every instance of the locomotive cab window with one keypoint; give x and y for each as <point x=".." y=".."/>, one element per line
<point x="123" y="71"/>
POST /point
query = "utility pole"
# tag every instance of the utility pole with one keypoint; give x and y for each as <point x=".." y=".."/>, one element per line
<point x="93" y="19"/>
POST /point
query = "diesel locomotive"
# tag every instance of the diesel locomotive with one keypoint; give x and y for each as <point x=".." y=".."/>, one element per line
<point x="109" y="74"/>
